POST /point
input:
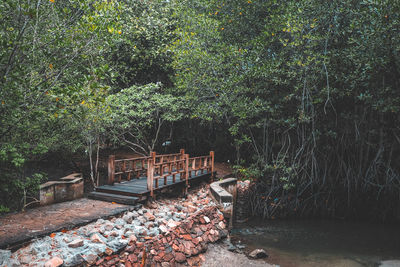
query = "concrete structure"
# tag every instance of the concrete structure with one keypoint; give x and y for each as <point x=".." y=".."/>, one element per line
<point x="67" y="188"/>
<point x="224" y="193"/>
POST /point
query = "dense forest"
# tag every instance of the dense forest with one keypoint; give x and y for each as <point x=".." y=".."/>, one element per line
<point x="303" y="97"/>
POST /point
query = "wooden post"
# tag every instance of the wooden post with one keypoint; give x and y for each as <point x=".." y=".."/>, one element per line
<point x="186" y="173"/>
<point x="212" y="165"/>
<point x="150" y="173"/>
<point x="182" y="152"/>
<point x="124" y="168"/>
<point x="111" y="169"/>
<point x="194" y="166"/>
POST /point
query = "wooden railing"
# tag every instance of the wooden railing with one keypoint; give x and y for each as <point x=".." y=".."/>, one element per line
<point x="199" y="165"/>
<point x="158" y="168"/>
<point x="119" y="169"/>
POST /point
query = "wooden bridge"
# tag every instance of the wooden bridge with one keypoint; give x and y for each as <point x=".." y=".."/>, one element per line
<point x="135" y="179"/>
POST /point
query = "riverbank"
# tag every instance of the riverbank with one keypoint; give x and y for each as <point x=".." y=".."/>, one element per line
<point x="218" y="255"/>
<point x="166" y="232"/>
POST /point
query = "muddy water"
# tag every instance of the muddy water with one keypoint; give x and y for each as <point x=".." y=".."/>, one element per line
<point x="322" y="243"/>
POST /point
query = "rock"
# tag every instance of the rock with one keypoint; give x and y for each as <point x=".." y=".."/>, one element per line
<point x="132" y="238"/>
<point x="113" y="233"/>
<point x="76" y="243"/>
<point x="152" y="205"/>
<point x="118" y="244"/>
<point x="221" y="225"/>
<point x="54" y="262"/>
<point x="223" y="233"/>
<point x="168" y="257"/>
<point x="133" y="258"/>
<point x="141" y="219"/>
<point x="119" y="221"/>
<point x="137" y="222"/>
<point x="206" y="219"/>
<point x="100" y="221"/>
<point x="138" y="206"/>
<point x="172" y="224"/>
<point x="240" y="246"/>
<point x="149" y="216"/>
<point x="258" y="254"/>
<point x="194" y="261"/>
<point x="74" y="260"/>
<point x="4" y="256"/>
<point x="154" y="232"/>
<point x="163" y="229"/>
<point x="96" y="239"/>
<point x="25" y="259"/>
<point x="180" y="257"/>
<point x="128" y="218"/>
<point x="109" y="251"/>
<point x="108" y="226"/>
<point x="231" y="247"/>
<point x="90" y="259"/>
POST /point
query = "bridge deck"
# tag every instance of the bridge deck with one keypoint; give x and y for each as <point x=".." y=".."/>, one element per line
<point x="155" y="173"/>
<point x="138" y="187"/>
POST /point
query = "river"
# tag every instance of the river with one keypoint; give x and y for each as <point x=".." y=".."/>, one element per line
<point x="321" y="243"/>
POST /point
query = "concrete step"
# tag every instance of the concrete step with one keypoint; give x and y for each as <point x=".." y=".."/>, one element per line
<point x="128" y="200"/>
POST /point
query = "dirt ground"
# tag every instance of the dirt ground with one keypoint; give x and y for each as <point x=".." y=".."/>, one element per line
<point x="224" y="170"/>
<point x="20" y="227"/>
<point x="218" y="256"/>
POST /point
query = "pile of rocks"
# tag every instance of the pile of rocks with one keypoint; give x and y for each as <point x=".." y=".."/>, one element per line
<point x="168" y="232"/>
<point x="176" y="245"/>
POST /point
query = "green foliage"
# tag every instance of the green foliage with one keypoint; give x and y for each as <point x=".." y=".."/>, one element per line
<point x="4" y="209"/>
<point x="59" y="60"/>
<point x="309" y="90"/>
<point x="142" y="54"/>
<point x="140" y="113"/>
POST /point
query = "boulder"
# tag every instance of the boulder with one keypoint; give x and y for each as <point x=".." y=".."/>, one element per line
<point x="258" y="254"/>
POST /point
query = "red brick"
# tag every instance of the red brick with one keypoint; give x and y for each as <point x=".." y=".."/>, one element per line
<point x="187" y="237"/>
<point x="180" y="257"/>
<point x="133" y="258"/>
<point x="168" y="257"/>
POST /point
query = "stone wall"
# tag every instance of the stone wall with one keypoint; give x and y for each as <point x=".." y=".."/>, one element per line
<point x="224" y="194"/>
<point x="232" y="196"/>
<point x="67" y="188"/>
<point x="243" y="208"/>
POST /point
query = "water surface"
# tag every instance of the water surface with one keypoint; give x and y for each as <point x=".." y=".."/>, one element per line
<point x="321" y="243"/>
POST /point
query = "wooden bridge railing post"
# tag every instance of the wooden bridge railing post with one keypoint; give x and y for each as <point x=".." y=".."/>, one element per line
<point x="186" y="173"/>
<point x="111" y="169"/>
<point x="150" y="173"/>
<point x="212" y="165"/>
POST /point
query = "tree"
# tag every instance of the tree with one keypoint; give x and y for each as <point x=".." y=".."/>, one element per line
<point x="140" y="113"/>
<point x="49" y="52"/>
<point x="308" y="89"/>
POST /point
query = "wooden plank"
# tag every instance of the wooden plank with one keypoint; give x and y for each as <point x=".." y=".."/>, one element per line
<point x="111" y="169"/>
<point x="129" y="200"/>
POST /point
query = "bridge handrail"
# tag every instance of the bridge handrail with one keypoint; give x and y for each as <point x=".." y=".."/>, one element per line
<point x="157" y="167"/>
